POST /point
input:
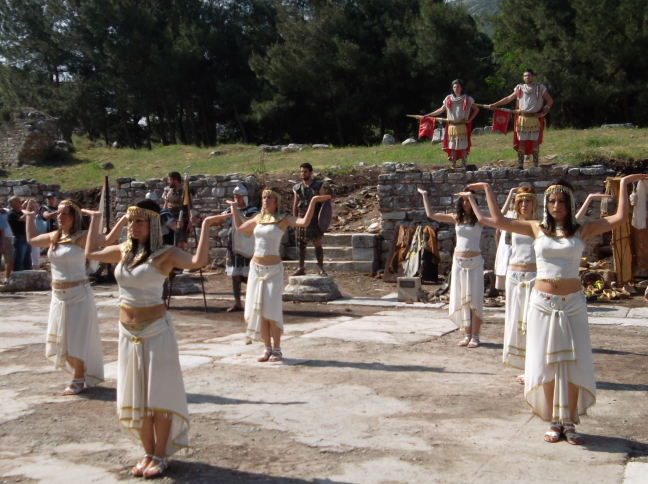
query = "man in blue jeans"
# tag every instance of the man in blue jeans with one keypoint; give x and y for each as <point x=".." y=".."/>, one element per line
<point x="22" y="250"/>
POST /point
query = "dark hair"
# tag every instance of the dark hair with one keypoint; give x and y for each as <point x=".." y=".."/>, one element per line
<point x="56" y="235"/>
<point x="306" y="165"/>
<point x="129" y="256"/>
<point x="458" y="81"/>
<point x="174" y="175"/>
<point x="530" y="71"/>
<point x="569" y="226"/>
<point x="459" y="214"/>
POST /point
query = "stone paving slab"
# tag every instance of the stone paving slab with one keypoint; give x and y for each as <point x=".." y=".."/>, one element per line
<point x="636" y="473"/>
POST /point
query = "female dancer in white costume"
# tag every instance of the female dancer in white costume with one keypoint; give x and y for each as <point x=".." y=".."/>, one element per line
<point x="503" y="253"/>
<point x="520" y="278"/>
<point x="559" y="371"/>
<point x="151" y="401"/>
<point x="73" y="339"/>
<point x="263" y="311"/>
<point x="467" y="279"/>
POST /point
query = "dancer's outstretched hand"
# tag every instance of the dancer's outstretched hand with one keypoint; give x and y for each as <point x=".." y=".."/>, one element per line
<point x="320" y="198"/>
<point x="90" y="213"/>
<point x="422" y="192"/>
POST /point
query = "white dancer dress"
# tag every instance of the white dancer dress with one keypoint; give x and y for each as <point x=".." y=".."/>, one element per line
<point x="265" y="283"/>
<point x="149" y="376"/>
<point x="558" y="340"/>
<point x="518" y="292"/>
<point x="467" y="282"/>
<point x="73" y="327"/>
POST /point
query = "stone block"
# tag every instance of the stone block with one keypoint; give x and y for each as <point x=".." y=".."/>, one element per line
<point x="389" y="167"/>
<point x="138" y="184"/>
<point x="183" y="284"/>
<point x="445" y="201"/>
<point x="27" y="281"/>
<point x="364" y="254"/>
<point x="363" y="241"/>
<point x="593" y="171"/>
<point x="499" y="173"/>
<point x="22" y="191"/>
<point x="311" y="288"/>
<point x="218" y="192"/>
<point x="398" y="215"/>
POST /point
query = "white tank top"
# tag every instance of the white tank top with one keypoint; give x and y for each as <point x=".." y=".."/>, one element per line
<point x="142" y="286"/>
<point x="68" y="263"/>
<point x="468" y="237"/>
<point x="558" y="257"/>
<point x="267" y="238"/>
<point x="522" y="250"/>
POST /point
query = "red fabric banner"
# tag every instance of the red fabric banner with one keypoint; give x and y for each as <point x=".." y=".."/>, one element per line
<point x="500" y="121"/>
<point x="426" y="127"/>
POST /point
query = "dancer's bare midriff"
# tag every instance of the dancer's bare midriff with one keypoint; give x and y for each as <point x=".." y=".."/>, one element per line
<point x="266" y="260"/>
<point x="559" y="287"/>
<point x="522" y="268"/>
<point x="465" y="255"/>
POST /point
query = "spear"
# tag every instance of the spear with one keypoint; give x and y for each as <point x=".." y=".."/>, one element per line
<point x="497" y="108"/>
<point x="418" y="116"/>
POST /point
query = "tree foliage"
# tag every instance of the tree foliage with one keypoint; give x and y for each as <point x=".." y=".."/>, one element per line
<point x="140" y="71"/>
<point x="590" y="53"/>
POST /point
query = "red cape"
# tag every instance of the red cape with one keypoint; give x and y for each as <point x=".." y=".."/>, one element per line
<point x="527" y="144"/>
<point x="444" y="146"/>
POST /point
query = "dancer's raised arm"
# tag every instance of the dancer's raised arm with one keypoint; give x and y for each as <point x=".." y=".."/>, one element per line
<point x="590" y="198"/>
<point x="439" y="217"/>
<point x="306" y="219"/>
<point x="524" y="227"/>
<point x="606" y="224"/>
<point x="110" y="254"/>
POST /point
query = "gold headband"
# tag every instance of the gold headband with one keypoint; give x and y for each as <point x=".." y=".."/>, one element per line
<point x="525" y="196"/>
<point x="558" y="188"/>
<point x="142" y="212"/>
<point x="71" y="204"/>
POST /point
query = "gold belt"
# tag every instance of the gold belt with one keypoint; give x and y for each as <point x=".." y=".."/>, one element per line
<point x="522" y="265"/>
<point x="68" y="285"/>
<point x="137" y="326"/>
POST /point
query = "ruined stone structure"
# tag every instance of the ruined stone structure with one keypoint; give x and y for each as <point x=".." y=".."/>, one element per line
<point x="26" y="137"/>
<point x="26" y="188"/>
<point x="400" y="201"/>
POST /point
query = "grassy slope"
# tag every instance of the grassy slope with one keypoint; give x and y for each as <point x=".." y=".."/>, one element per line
<point x="83" y="169"/>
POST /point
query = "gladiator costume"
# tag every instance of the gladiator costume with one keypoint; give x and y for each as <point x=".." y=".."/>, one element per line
<point x="174" y="206"/>
<point x="527" y="127"/>
<point x="312" y="232"/>
<point x="457" y="133"/>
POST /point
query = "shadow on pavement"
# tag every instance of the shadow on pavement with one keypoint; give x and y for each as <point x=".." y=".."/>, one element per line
<point x="215" y="399"/>
<point x="185" y="472"/>
<point x="606" y="385"/>
<point x="614" y="445"/>
<point x="605" y="351"/>
<point x="383" y="367"/>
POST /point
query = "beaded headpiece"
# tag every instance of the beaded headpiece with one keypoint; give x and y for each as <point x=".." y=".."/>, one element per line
<point x="558" y="189"/>
<point x="78" y="217"/>
<point x="155" y="232"/>
<point x="271" y="218"/>
<point x="526" y="196"/>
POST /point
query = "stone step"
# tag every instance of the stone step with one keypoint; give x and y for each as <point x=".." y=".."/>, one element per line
<point x="330" y="253"/>
<point x="362" y="267"/>
<point x="337" y="240"/>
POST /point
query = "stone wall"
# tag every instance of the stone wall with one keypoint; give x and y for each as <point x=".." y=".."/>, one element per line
<point x="399" y="200"/>
<point x="210" y="195"/>
<point x="26" y="137"/>
<point x="27" y="188"/>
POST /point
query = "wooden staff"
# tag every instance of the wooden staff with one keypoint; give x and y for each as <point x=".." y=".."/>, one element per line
<point x="497" y="108"/>
<point x="418" y="116"/>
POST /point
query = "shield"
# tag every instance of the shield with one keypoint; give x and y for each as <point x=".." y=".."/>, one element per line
<point x="325" y="215"/>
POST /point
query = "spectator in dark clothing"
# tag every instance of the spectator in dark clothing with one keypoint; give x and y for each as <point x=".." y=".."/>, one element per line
<point x="16" y="220"/>
<point x="48" y="212"/>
